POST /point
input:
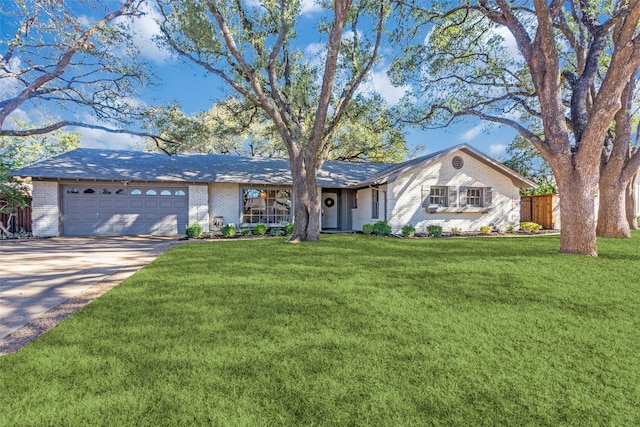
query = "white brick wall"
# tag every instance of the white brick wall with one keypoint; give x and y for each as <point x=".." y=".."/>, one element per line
<point x="362" y="214"/>
<point x="404" y="197"/>
<point x="45" y="209"/>
<point x="224" y="201"/>
<point x="199" y="205"/>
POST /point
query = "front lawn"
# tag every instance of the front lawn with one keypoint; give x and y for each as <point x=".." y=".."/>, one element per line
<point x="354" y="330"/>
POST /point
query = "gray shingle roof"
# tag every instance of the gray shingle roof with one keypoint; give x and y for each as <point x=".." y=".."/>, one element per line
<point x="93" y="164"/>
<point x="86" y="163"/>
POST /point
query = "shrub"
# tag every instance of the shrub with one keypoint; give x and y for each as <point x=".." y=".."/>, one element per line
<point x="276" y="232"/>
<point x="510" y="228"/>
<point x="260" y="229"/>
<point x="485" y="229"/>
<point x="408" y="230"/>
<point x="434" y="230"/>
<point x="245" y="232"/>
<point x="530" y="227"/>
<point x="382" y="228"/>
<point x="194" y="231"/>
<point x="455" y="231"/>
<point x="228" y="230"/>
<point x="367" y="229"/>
<point x="288" y="228"/>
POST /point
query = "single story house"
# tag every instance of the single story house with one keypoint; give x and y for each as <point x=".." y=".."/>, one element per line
<point x="104" y="192"/>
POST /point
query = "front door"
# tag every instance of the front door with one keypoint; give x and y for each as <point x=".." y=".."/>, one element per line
<point x="329" y="210"/>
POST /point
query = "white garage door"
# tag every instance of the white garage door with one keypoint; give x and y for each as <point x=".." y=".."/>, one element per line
<point x="108" y="210"/>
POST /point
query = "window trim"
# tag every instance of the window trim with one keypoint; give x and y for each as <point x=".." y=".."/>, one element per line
<point x="375" y="203"/>
<point x="276" y="210"/>
<point x="479" y="197"/>
<point x="444" y="196"/>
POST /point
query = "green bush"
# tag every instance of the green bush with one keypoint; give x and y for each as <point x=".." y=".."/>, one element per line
<point x="456" y="231"/>
<point x="276" y="232"/>
<point x="245" y="232"/>
<point x="367" y="229"/>
<point x="382" y="228"/>
<point x="408" y="230"/>
<point x="228" y="230"/>
<point x="260" y="229"/>
<point x="194" y="231"/>
<point x="511" y="228"/>
<point x="485" y="229"/>
<point x="288" y="228"/>
<point x="530" y="226"/>
<point x="434" y="230"/>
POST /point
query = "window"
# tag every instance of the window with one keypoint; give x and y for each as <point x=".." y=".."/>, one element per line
<point x="266" y="206"/>
<point x="375" y="203"/>
<point x="121" y="191"/>
<point x="89" y="191"/>
<point x="180" y="193"/>
<point x="73" y="191"/>
<point x="474" y="196"/>
<point x="105" y="191"/>
<point x="165" y="193"/>
<point x="151" y="192"/>
<point x="438" y="196"/>
<point x="136" y="192"/>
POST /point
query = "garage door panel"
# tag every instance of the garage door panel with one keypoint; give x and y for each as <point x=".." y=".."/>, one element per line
<point x="123" y="214"/>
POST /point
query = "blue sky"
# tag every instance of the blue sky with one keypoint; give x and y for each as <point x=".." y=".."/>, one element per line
<point x="195" y="90"/>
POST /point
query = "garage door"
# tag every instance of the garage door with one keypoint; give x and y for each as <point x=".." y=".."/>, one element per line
<point x="107" y="210"/>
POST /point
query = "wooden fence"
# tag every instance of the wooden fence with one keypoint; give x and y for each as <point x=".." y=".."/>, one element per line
<point x="539" y="209"/>
<point x="21" y="219"/>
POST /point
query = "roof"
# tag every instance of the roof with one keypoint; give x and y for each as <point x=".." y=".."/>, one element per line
<point x="87" y="163"/>
<point x="112" y="165"/>
<point x="391" y="173"/>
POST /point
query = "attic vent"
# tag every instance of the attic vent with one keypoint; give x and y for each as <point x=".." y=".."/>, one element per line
<point x="457" y="162"/>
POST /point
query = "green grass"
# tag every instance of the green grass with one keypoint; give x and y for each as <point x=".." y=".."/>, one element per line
<point x="354" y="330"/>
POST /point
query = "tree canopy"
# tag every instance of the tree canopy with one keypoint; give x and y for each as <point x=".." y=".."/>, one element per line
<point x="252" y="48"/>
<point x="70" y="57"/>
<point x="553" y="71"/>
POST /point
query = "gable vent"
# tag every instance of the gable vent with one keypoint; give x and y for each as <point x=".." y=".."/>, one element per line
<point x="457" y="162"/>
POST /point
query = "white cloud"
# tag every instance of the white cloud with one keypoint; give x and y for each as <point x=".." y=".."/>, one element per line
<point x="495" y="149"/>
<point x="310" y="6"/>
<point x="382" y="84"/>
<point x="471" y="133"/>
<point x="143" y="31"/>
<point x="94" y="138"/>
<point x="509" y="41"/>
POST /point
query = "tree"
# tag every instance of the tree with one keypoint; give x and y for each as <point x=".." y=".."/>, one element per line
<point x="16" y="152"/>
<point x="236" y="126"/>
<point x="549" y="86"/>
<point x="58" y="59"/>
<point x="525" y="159"/>
<point x="619" y="167"/>
<point x="251" y="47"/>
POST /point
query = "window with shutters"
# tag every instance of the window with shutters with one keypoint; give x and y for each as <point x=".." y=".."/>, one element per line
<point x="474" y="197"/>
<point x="438" y="196"/>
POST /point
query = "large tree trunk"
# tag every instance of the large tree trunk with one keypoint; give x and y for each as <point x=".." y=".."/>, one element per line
<point x="612" y="216"/>
<point x="306" y="202"/>
<point x="632" y="215"/>
<point x="577" y="208"/>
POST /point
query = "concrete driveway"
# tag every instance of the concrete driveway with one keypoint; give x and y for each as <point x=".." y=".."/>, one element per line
<point x="37" y="275"/>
